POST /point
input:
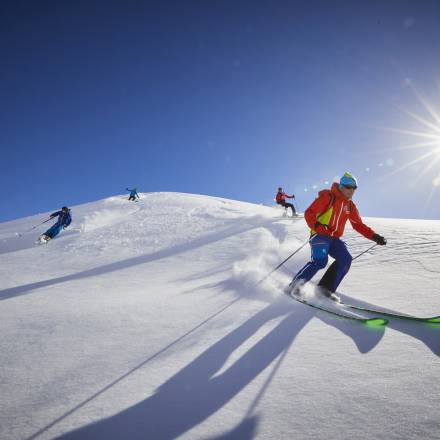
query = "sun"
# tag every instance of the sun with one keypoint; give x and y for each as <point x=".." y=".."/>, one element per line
<point x="425" y="141"/>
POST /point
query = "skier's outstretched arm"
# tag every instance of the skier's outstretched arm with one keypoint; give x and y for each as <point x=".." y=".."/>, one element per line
<point x="362" y="228"/>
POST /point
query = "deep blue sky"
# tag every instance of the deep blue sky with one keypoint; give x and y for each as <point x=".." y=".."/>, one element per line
<point x="226" y="98"/>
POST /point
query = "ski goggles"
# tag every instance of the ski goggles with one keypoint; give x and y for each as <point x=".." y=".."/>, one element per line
<point x="349" y="186"/>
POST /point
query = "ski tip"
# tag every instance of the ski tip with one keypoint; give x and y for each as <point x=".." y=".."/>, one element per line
<point x="434" y="320"/>
<point x="376" y="322"/>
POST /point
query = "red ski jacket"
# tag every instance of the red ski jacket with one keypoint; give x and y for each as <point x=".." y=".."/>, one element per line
<point x="281" y="197"/>
<point x="333" y="209"/>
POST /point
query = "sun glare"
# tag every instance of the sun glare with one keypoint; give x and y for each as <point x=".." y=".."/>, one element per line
<point x="425" y="141"/>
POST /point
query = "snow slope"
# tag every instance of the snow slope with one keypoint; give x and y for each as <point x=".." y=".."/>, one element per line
<point x="143" y="321"/>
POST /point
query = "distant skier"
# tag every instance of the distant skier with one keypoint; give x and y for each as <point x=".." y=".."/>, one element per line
<point x="64" y="220"/>
<point x="133" y="194"/>
<point x="326" y="217"/>
<point x="281" y="200"/>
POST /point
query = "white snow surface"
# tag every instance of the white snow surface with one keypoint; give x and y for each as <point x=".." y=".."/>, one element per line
<point x="144" y="321"/>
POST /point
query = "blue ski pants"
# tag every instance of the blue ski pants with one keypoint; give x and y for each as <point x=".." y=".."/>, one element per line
<point x="54" y="230"/>
<point x="322" y="247"/>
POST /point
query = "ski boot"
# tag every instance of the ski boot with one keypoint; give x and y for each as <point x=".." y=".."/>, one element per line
<point x="294" y="289"/>
<point x="328" y="294"/>
<point x="43" y="239"/>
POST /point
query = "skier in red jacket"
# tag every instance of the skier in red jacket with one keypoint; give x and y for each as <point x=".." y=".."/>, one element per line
<point x="281" y="200"/>
<point x="326" y="217"/>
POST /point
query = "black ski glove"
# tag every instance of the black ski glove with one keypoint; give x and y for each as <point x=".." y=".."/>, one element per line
<point x="379" y="239"/>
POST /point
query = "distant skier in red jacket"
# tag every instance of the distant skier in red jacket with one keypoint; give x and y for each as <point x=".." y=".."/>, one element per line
<point x="281" y="200"/>
<point x="326" y="217"/>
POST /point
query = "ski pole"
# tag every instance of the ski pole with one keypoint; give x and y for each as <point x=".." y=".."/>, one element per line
<point x="33" y="227"/>
<point x="288" y="258"/>
<point x="362" y="253"/>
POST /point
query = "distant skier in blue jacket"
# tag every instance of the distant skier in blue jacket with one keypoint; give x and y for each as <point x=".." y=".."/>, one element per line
<point x="64" y="220"/>
<point x="133" y="194"/>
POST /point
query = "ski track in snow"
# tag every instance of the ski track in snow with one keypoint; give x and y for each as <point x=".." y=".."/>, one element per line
<point x="144" y="321"/>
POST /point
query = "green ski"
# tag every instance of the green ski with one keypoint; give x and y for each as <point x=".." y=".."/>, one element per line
<point x="430" y="320"/>
<point x="371" y="322"/>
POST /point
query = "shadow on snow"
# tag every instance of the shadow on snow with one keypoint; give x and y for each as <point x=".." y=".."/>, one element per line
<point x="202" y="388"/>
<point x="198" y="390"/>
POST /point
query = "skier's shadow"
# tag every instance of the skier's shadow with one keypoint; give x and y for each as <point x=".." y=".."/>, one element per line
<point x="201" y="388"/>
<point x="365" y="338"/>
<point x="204" y="386"/>
<point x="424" y="332"/>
